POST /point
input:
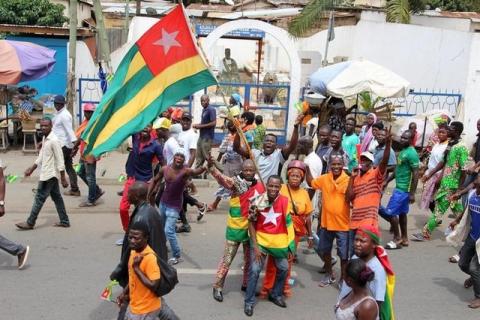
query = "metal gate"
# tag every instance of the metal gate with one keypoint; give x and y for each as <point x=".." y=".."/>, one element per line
<point x="265" y="99"/>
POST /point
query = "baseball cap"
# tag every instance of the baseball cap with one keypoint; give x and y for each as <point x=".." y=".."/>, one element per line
<point x="59" y="99"/>
<point x="187" y="115"/>
<point x="367" y="155"/>
<point x="161" y="123"/>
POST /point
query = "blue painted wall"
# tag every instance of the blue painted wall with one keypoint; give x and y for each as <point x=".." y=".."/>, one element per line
<point x="56" y="81"/>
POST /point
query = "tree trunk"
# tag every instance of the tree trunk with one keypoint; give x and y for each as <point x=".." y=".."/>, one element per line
<point x="72" y="52"/>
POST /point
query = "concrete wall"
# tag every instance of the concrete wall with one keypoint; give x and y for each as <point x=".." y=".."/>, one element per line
<point x="472" y="91"/>
<point x="442" y="22"/>
<point x="84" y="10"/>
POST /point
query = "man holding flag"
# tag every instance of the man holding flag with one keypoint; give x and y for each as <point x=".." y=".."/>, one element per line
<point x="161" y="68"/>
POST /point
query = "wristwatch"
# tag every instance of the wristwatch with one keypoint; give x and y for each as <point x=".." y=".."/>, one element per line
<point x="2" y="203"/>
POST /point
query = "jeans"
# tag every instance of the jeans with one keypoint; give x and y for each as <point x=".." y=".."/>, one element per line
<point x="45" y="189"/>
<point x="254" y="272"/>
<point x="468" y="263"/>
<point x="88" y="174"/>
<point x="187" y="200"/>
<point x="171" y="216"/>
<point x="72" y="175"/>
<point x="11" y="247"/>
<point x="166" y="313"/>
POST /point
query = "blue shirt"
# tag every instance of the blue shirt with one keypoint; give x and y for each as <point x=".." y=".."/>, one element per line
<point x="208" y="115"/>
<point x="474" y="207"/>
<point x="377" y="157"/>
<point x="139" y="163"/>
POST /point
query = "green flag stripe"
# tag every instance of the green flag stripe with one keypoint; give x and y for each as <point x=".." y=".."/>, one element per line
<point x="239" y="235"/>
<point x="126" y="93"/>
<point x="275" y="252"/>
<point x="235" y="212"/>
<point x="170" y="96"/>
<point x="115" y="86"/>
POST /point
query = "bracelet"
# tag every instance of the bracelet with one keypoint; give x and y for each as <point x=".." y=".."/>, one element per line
<point x="310" y="237"/>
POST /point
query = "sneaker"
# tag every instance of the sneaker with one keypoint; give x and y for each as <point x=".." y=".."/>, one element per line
<point x="420" y="237"/>
<point x="201" y="212"/>
<point x="173" y="261"/>
<point x="22" y="258"/>
<point x="24" y="226"/>
<point x="184" y="228"/>
<point x="72" y="193"/>
<point x="86" y="204"/>
<point x="119" y="242"/>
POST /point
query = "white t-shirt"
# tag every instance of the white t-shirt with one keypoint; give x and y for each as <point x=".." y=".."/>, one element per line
<point x="268" y="164"/>
<point x="377" y="286"/>
<point x="188" y="141"/>
<point x="171" y="147"/>
<point x="314" y="163"/>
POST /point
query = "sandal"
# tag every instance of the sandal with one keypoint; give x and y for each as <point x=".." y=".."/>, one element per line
<point x="326" y="281"/>
<point x="468" y="283"/>
<point x="405" y="243"/>
<point x="61" y="225"/>
<point x="392" y="245"/>
<point x="454" y="258"/>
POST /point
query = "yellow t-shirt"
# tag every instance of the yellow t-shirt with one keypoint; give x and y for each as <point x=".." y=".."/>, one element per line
<point x="142" y="299"/>
<point x="301" y="199"/>
<point x="335" y="209"/>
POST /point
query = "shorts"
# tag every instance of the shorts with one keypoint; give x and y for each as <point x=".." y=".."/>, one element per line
<point x="153" y="315"/>
<point x="398" y="204"/>
<point x="325" y="242"/>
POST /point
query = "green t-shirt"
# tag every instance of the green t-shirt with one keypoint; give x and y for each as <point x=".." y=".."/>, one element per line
<point x="407" y="161"/>
<point x="349" y="144"/>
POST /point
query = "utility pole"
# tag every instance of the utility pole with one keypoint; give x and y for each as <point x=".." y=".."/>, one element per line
<point x="72" y="52"/>
<point x="127" y="19"/>
<point x="104" y="46"/>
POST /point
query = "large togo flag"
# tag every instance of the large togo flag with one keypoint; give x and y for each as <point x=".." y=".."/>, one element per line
<point x="162" y="67"/>
<point x="274" y="228"/>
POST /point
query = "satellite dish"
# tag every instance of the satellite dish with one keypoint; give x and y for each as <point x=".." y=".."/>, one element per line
<point x="229" y="2"/>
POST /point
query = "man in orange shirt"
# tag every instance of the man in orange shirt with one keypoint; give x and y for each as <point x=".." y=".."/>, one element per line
<point x="335" y="217"/>
<point x="143" y="277"/>
<point x="365" y="190"/>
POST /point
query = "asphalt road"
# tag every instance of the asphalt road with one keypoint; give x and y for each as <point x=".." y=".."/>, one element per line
<point x="68" y="269"/>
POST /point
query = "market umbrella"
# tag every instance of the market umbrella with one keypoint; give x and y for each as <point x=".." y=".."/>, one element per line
<point x="349" y="78"/>
<point x="24" y="61"/>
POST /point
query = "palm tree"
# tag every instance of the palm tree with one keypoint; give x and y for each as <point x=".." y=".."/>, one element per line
<point x="397" y="11"/>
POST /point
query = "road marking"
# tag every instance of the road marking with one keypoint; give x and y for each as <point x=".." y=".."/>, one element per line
<point x="236" y="272"/>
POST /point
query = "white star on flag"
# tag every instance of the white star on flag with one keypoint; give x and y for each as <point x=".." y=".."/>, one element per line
<point x="167" y="41"/>
<point x="271" y="216"/>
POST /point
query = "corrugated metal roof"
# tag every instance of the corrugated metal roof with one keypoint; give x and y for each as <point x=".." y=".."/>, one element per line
<point x="451" y="14"/>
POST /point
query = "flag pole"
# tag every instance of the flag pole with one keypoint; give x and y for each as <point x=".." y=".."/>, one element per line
<point x="235" y="122"/>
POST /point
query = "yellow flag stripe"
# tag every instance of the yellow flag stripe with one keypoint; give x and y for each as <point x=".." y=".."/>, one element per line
<point x="237" y="223"/>
<point x="274" y="241"/>
<point x="136" y="64"/>
<point x="151" y="91"/>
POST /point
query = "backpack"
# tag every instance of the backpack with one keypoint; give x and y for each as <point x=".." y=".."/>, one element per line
<point x="168" y="278"/>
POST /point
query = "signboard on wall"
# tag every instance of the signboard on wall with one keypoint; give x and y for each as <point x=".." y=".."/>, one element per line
<point x="203" y="30"/>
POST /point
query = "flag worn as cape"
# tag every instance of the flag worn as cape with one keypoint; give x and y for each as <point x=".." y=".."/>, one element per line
<point x="162" y="67"/>
<point x="386" y="310"/>
<point x="274" y="227"/>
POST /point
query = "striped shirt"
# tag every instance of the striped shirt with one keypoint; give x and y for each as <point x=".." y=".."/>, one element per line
<point x="367" y="190"/>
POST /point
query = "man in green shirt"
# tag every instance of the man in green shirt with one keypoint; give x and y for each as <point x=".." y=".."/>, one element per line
<point x="349" y="143"/>
<point x="406" y="176"/>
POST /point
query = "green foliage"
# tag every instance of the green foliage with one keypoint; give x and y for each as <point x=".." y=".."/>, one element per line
<point x="398" y="11"/>
<point x="309" y="16"/>
<point x="367" y="102"/>
<point x="32" y="12"/>
<point x="455" y="5"/>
